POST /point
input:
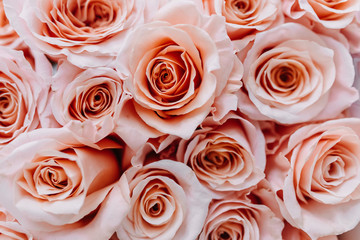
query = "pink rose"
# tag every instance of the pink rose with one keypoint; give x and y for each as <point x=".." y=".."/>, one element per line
<point x="167" y="202"/>
<point x="245" y="18"/>
<point x="59" y="188"/>
<point x="176" y="74"/>
<point x="245" y="217"/>
<point x="226" y="156"/>
<point x="88" y="33"/>
<point x="331" y="14"/>
<point x="10" y="228"/>
<point x="90" y="99"/>
<point x="23" y="94"/>
<point x="316" y="175"/>
<point x="293" y="75"/>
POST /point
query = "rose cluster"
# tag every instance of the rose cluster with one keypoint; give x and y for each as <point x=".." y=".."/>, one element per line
<point x="179" y="119"/>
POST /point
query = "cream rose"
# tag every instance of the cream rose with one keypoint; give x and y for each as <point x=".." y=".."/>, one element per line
<point x="175" y="75"/>
<point x="88" y="33"/>
<point x="316" y="177"/>
<point x="226" y="156"/>
<point x="244" y="217"/>
<point x="90" y="99"/>
<point x="59" y="188"/>
<point x="167" y="202"/>
<point x="23" y="94"/>
<point x="331" y="14"/>
<point x="293" y="75"/>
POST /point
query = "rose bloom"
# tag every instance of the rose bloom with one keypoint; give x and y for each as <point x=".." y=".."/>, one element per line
<point x="167" y="202"/>
<point x="176" y="74"/>
<point x="293" y="75"/>
<point x="60" y="188"/>
<point x="90" y="99"/>
<point x="23" y="94"/>
<point x="292" y="233"/>
<point x="245" y="18"/>
<point x="252" y="216"/>
<point x="316" y="175"/>
<point x="226" y="156"/>
<point x="331" y="14"/>
<point x="88" y="33"/>
<point x="10" y="228"/>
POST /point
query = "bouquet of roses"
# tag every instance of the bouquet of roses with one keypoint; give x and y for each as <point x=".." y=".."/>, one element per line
<point x="179" y="119"/>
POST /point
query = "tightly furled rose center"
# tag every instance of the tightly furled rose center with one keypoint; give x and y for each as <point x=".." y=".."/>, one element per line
<point x="219" y="158"/>
<point x="95" y="102"/>
<point x="157" y="206"/>
<point x="169" y="75"/>
<point x="172" y="77"/>
<point x="9" y="104"/>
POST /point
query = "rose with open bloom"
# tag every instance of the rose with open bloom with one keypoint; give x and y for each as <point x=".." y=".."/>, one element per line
<point x="244" y="217"/>
<point x="10" y="228"/>
<point x="293" y="75"/>
<point x="90" y="99"/>
<point x="175" y="75"/>
<point x="316" y="175"/>
<point x="245" y="18"/>
<point x="227" y="156"/>
<point x="23" y="94"/>
<point x="167" y="202"/>
<point x="331" y="14"/>
<point x="60" y="188"/>
<point x="87" y="32"/>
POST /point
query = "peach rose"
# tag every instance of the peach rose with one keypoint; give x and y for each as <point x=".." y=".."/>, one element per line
<point x="244" y="217"/>
<point x="59" y="188"/>
<point x="331" y="14"/>
<point x="167" y="202"/>
<point x="23" y="94"/>
<point x="292" y="233"/>
<point x="245" y="18"/>
<point x="226" y="156"/>
<point x="176" y="74"/>
<point x="88" y="33"/>
<point x="316" y="175"/>
<point x="293" y="75"/>
<point x="10" y="229"/>
<point x="90" y="99"/>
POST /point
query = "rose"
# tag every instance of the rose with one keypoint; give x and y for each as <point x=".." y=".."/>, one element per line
<point x="23" y="94"/>
<point x="331" y="14"/>
<point x="167" y="202"/>
<point x="293" y="75"/>
<point x="11" y="229"/>
<point x="175" y="75"/>
<point x="90" y="99"/>
<point x="226" y="156"/>
<point x="61" y="188"/>
<point x="244" y="217"/>
<point x="316" y="177"/>
<point x="245" y="18"/>
<point x="8" y="36"/>
<point x="88" y="33"/>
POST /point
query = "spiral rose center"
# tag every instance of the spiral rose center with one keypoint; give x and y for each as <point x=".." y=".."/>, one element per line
<point x="8" y="105"/>
<point x="94" y="103"/>
<point x="241" y="5"/>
